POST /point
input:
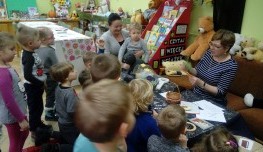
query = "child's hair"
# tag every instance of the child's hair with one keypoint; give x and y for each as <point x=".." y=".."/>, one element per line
<point x="44" y="32"/>
<point x="172" y="121"/>
<point x="105" y="66"/>
<point x="60" y="71"/>
<point x="218" y="140"/>
<point x="26" y="34"/>
<point x="135" y="26"/>
<point x="142" y="92"/>
<point x="103" y="107"/>
<point x="6" y="40"/>
<point x="85" y="78"/>
<point x="87" y="58"/>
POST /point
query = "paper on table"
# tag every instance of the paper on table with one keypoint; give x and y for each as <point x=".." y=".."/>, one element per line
<point x="205" y="105"/>
<point x="246" y="143"/>
<point x="212" y="116"/>
<point x="163" y="94"/>
<point x="193" y="108"/>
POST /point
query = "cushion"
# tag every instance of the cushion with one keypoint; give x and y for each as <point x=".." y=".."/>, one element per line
<point x="235" y="102"/>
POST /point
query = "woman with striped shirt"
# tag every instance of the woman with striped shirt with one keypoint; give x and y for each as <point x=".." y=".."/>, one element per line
<point x="215" y="72"/>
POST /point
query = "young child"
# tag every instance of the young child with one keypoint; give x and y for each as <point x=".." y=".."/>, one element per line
<point x="85" y="78"/>
<point x="66" y="99"/>
<point x="172" y="123"/>
<point x="48" y="56"/>
<point x="218" y="140"/>
<point x="134" y="44"/>
<point x="104" y="116"/>
<point x="87" y="58"/>
<point x="32" y="68"/>
<point x="13" y="107"/>
<point x="105" y="66"/>
<point x="142" y="91"/>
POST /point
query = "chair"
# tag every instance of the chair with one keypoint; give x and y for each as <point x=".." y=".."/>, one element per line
<point x="78" y="30"/>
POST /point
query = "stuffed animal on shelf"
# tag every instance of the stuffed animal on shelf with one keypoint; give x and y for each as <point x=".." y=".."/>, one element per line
<point x="201" y="44"/>
<point x="250" y="101"/>
<point x="247" y="42"/>
<point x="237" y="47"/>
<point x="252" y="53"/>
<point x="104" y="7"/>
<point x="74" y="15"/>
<point x="137" y="17"/>
<point x="120" y="12"/>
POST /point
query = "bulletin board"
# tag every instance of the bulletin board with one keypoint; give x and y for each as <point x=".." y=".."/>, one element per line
<point x="19" y="5"/>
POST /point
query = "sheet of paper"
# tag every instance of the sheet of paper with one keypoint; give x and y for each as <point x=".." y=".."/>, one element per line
<point x="211" y="116"/>
<point x="193" y="108"/>
<point x="246" y="143"/>
<point x="163" y="94"/>
<point x="205" y="105"/>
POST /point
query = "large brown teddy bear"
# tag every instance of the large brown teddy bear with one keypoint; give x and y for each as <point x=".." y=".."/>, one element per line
<point x="201" y="44"/>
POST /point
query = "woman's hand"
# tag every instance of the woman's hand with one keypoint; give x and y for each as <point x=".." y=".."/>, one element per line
<point x="138" y="54"/>
<point x="23" y="125"/>
<point x="100" y="43"/>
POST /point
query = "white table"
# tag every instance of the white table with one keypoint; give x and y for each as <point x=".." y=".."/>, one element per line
<point x="69" y="45"/>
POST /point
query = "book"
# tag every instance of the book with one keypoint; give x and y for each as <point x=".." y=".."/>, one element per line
<point x="160" y="40"/>
<point x="166" y="11"/>
<point x="201" y="123"/>
<point x="146" y="37"/>
<point x="161" y="21"/>
<point x="173" y="14"/>
<point x="162" y="29"/>
<point x="168" y="22"/>
<point x="153" y="38"/>
<point x="155" y="28"/>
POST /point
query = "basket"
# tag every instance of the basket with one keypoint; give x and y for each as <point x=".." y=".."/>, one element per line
<point x="174" y="97"/>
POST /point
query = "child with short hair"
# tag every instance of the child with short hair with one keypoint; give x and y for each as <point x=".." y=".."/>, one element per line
<point x="172" y="123"/>
<point x="105" y="66"/>
<point x="134" y="44"/>
<point x="217" y="140"/>
<point x="33" y="71"/>
<point x="48" y="56"/>
<point x="142" y="91"/>
<point x="87" y="58"/>
<point x="104" y="116"/>
<point x="13" y="107"/>
<point x="85" y="78"/>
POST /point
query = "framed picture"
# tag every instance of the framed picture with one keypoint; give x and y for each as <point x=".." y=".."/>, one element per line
<point x="3" y="12"/>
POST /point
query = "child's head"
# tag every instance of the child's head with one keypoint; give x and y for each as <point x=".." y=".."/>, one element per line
<point x="218" y="140"/>
<point x="87" y="58"/>
<point x="7" y="47"/>
<point x="105" y="66"/>
<point x="63" y="72"/>
<point x="105" y="111"/>
<point x="28" y="37"/>
<point x="142" y="92"/>
<point x="46" y="36"/>
<point x="85" y="78"/>
<point x="135" y="31"/>
<point x="172" y="121"/>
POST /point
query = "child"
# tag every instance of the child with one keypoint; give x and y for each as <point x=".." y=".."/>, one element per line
<point x="142" y="91"/>
<point x="48" y="56"/>
<point x="134" y="44"/>
<point x="104" y="116"/>
<point x="85" y="78"/>
<point x="66" y="99"/>
<point x="87" y="58"/>
<point x="13" y="106"/>
<point x="32" y="68"/>
<point x="172" y="123"/>
<point x="218" y="140"/>
<point x="105" y="66"/>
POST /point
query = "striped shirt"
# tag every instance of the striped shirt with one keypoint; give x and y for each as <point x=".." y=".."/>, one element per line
<point x="219" y="74"/>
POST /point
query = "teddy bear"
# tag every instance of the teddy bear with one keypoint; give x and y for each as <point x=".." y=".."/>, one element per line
<point x="250" y="101"/>
<point x="174" y="67"/>
<point x="252" y="53"/>
<point x="74" y="15"/>
<point x="247" y="42"/>
<point x="137" y="17"/>
<point x="200" y="45"/>
<point x="237" y="47"/>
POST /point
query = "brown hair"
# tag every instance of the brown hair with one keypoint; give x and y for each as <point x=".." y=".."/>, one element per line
<point x="172" y="121"/>
<point x="218" y="140"/>
<point x="26" y="34"/>
<point x="103" y="107"/>
<point x="60" y="71"/>
<point x="44" y="32"/>
<point x="142" y="92"/>
<point x="6" y="40"/>
<point x="105" y="66"/>
<point x="85" y="78"/>
<point x="226" y="37"/>
<point x="87" y="58"/>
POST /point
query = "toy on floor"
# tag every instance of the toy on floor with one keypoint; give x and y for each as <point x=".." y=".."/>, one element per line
<point x="201" y="44"/>
<point x="250" y="101"/>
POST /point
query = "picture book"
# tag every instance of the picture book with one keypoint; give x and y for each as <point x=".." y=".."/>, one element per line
<point x="168" y="22"/>
<point x="166" y="11"/>
<point x="173" y="14"/>
<point x="168" y="29"/>
<point x="161" y="21"/>
<point x="146" y="37"/>
<point x="155" y="28"/>
<point x="201" y="123"/>
<point x="162" y="29"/>
<point x="153" y="38"/>
<point x="160" y="40"/>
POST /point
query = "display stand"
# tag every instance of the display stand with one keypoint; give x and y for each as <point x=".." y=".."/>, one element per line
<point x="174" y="40"/>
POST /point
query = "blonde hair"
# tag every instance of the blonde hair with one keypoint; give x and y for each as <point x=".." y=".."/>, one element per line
<point x="44" y="32"/>
<point x="6" y="40"/>
<point x="142" y="91"/>
<point x="60" y="71"/>
<point x="102" y="108"/>
<point x="135" y="26"/>
<point x="25" y="34"/>
<point x="172" y="121"/>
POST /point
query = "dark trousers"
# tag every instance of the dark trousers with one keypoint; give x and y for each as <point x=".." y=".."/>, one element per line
<point x="50" y="87"/>
<point x="35" y="104"/>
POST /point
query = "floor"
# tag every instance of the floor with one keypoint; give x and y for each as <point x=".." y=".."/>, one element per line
<point x="4" y="141"/>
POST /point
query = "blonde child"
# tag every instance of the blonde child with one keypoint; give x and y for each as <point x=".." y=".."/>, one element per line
<point x="87" y="58"/>
<point x="48" y="56"/>
<point x="218" y="140"/>
<point x="13" y="105"/>
<point x="134" y="44"/>
<point x="104" y="117"/>
<point x="172" y="123"/>
<point x="142" y="91"/>
<point x="33" y="71"/>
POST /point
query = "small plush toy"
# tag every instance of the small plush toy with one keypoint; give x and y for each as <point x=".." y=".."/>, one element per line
<point x="247" y="42"/>
<point x="74" y="15"/>
<point x="201" y="44"/>
<point x="236" y="47"/>
<point x="153" y="5"/>
<point x="137" y="17"/>
<point x="250" y="101"/>
<point x="120" y="12"/>
<point x="252" y="53"/>
<point x="260" y="45"/>
<point x="174" y="67"/>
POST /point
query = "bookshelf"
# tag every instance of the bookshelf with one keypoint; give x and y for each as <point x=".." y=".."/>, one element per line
<point x="167" y="32"/>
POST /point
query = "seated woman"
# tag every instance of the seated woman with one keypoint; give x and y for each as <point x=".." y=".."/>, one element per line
<point x="215" y="72"/>
<point x="114" y="37"/>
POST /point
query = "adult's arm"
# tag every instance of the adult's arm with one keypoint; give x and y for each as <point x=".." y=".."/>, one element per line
<point x="122" y="50"/>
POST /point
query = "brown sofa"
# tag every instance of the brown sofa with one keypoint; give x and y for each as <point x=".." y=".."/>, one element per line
<point x="248" y="80"/>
